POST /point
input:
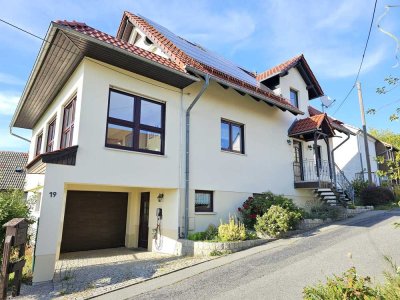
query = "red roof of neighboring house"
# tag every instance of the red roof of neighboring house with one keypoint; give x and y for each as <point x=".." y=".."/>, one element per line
<point x="97" y="34"/>
<point x="183" y="59"/>
<point x="286" y="66"/>
<point x="307" y="124"/>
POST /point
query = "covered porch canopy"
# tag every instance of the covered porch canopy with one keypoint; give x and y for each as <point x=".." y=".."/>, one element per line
<point x="313" y="128"/>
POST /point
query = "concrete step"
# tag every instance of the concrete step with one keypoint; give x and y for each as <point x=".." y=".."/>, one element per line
<point x="324" y="190"/>
<point x="329" y="198"/>
<point x="327" y="194"/>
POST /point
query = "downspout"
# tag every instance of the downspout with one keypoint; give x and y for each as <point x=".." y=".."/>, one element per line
<point x="333" y="158"/>
<point x="187" y="153"/>
<point x="18" y="136"/>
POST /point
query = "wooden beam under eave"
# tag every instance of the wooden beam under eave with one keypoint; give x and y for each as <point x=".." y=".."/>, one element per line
<point x="223" y="85"/>
<point x="282" y="74"/>
<point x="255" y="98"/>
<point x="310" y="86"/>
<point x="240" y="92"/>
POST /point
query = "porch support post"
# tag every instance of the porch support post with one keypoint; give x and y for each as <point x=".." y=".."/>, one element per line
<point x="315" y="152"/>
<point x="329" y="158"/>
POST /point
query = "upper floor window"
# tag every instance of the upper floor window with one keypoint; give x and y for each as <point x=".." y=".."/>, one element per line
<point x="204" y="201"/>
<point x="294" y="97"/>
<point x="135" y="123"/>
<point x="39" y="140"/>
<point x="51" y="129"/>
<point x="68" y="124"/>
<point x="232" y="136"/>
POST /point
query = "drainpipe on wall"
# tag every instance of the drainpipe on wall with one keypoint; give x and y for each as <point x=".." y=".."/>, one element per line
<point x="18" y="136"/>
<point x="187" y="152"/>
<point x="333" y="158"/>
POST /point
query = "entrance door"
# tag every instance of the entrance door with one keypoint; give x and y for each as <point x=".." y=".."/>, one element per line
<point x="144" y="220"/>
<point x="298" y="161"/>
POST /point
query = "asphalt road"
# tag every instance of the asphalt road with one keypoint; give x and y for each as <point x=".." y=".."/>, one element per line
<point x="283" y="271"/>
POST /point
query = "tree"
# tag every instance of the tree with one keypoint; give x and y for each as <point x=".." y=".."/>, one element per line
<point x="392" y="82"/>
<point x="387" y="136"/>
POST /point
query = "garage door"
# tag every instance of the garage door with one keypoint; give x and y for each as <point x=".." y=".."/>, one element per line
<point x="94" y="220"/>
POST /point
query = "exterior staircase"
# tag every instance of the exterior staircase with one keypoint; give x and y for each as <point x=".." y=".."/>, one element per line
<point x="332" y="196"/>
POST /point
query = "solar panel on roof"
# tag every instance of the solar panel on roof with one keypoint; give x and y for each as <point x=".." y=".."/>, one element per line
<point x="205" y="56"/>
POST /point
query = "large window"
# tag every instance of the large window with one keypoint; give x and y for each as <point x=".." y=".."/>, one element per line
<point x="50" y="136"/>
<point x="135" y="123"/>
<point x="68" y="125"/>
<point x="294" y="97"/>
<point x="232" y="136"/>
<point x="39" y="140"/>
<point x="203" y="201"/>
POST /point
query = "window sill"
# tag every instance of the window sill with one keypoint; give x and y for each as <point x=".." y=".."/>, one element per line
<point x="135" y="152"/>
<point x="236" y="153"/>
<point x="205" y="213"/>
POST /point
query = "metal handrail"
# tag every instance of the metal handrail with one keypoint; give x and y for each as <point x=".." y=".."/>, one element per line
<point x="343" y="183"/>
<point x="310" y="170"/>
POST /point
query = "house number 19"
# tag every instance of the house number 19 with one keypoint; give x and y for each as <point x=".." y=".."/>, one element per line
<point x="53" y="194"/>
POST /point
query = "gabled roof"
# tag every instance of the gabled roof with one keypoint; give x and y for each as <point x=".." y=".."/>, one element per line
<point x="12" y="169"/>
<point x="299" y="62"/>
<point x="197" y="59"/>
<point x="336" y="124"/>
<point x="310" y="125"/>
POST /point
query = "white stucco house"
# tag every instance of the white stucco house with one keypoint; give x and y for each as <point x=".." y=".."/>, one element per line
<point x="351" y="157"/>
<point x="128" y="128"/>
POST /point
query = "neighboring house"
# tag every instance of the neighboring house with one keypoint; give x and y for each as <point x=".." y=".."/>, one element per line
<point x="389" y="153"/>
<point x="12" y="170"/>
<point x="112" y="120"/>
<point x="351" y="157"/>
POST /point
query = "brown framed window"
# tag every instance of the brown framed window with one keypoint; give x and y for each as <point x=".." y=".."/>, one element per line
<point x="204" y="201"/>
<point x="38" y="148"/>
<point x="232" y="136"/>
<point x="51" y="129"/>
<point x="68" y="125"/>
<point x="135" y="123"/>
<point x="294" y="97"/>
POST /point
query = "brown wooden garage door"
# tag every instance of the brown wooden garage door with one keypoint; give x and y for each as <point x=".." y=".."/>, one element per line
<point x="94" y="220"/>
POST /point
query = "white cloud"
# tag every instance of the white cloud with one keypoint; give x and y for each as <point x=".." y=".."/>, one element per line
<point x="10" y="79"/>
<point x="8" y="103"/>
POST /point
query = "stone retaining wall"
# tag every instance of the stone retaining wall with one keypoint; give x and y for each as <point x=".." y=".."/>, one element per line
<point x="359" y="209"/>
<point x="199" y="248"/>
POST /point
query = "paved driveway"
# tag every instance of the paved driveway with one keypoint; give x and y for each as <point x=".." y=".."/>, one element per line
<point x="283" y="268"/>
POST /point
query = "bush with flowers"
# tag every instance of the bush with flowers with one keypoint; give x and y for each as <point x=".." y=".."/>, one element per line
<point x="260" y="204"/>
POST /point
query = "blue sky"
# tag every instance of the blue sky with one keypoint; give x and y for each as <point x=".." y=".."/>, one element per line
<point x="254" y="34"/>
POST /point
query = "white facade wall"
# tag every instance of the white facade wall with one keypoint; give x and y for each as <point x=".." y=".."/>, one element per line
<point x="265" y="165"/>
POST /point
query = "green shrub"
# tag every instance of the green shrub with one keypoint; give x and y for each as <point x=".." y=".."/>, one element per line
<point x="348" y="286"/>
<point x="390" y="290"/>
<point x="210" y="234"/>
<point x="376" y="196"/>
<point x="259" y="205"/>
<point x="325" y="212"/>
<point x="277" y="220"/>
<point x="232" y="231"/>
<point x="359" y="185"/>
<point x="196" y="236"/>
<point x="12" y="205"/>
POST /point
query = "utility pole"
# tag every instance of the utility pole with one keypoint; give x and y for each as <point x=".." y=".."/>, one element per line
<point x="367" y="158"/>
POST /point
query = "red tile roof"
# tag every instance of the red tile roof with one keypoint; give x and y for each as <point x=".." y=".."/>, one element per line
<point x="182" y="59"/>
<point x="336" y="124"/>
<point x="286" y="66"/>
<point x="307" y="124"/>
<point x="104" y="37"/>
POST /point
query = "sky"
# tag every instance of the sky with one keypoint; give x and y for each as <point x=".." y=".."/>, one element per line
<point x="254" y="34"/>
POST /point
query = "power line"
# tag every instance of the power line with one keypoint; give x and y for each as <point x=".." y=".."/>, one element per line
<point x="362" y="60"/>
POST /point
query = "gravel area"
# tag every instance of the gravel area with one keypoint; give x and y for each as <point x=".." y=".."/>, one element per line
<point x="83" y="274"/>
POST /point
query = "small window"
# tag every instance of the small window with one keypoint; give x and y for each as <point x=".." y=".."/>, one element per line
<point x="232" y="136"/>
<point x="204" y="201"/>
<point x="50" y="136"/>
<point x="68" y="125"/>
<point x="294" y="97"/>
<point x="39" y="140"/>
<point x="135" y="123"/>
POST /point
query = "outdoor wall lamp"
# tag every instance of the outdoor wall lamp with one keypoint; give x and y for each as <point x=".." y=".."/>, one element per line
<point x="160" y="197"/>
<point x="289" y="142"/>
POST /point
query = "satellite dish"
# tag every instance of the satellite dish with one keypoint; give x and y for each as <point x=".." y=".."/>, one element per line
<point x="326" y="101"/>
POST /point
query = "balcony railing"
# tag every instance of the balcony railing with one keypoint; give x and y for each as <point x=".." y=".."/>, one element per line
<point x="312" y="173"/>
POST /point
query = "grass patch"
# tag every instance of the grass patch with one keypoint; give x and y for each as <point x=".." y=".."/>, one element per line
<point x="387" y="206"/>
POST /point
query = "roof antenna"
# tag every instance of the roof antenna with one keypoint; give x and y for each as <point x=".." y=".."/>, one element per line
<point x="326" y="102"/>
